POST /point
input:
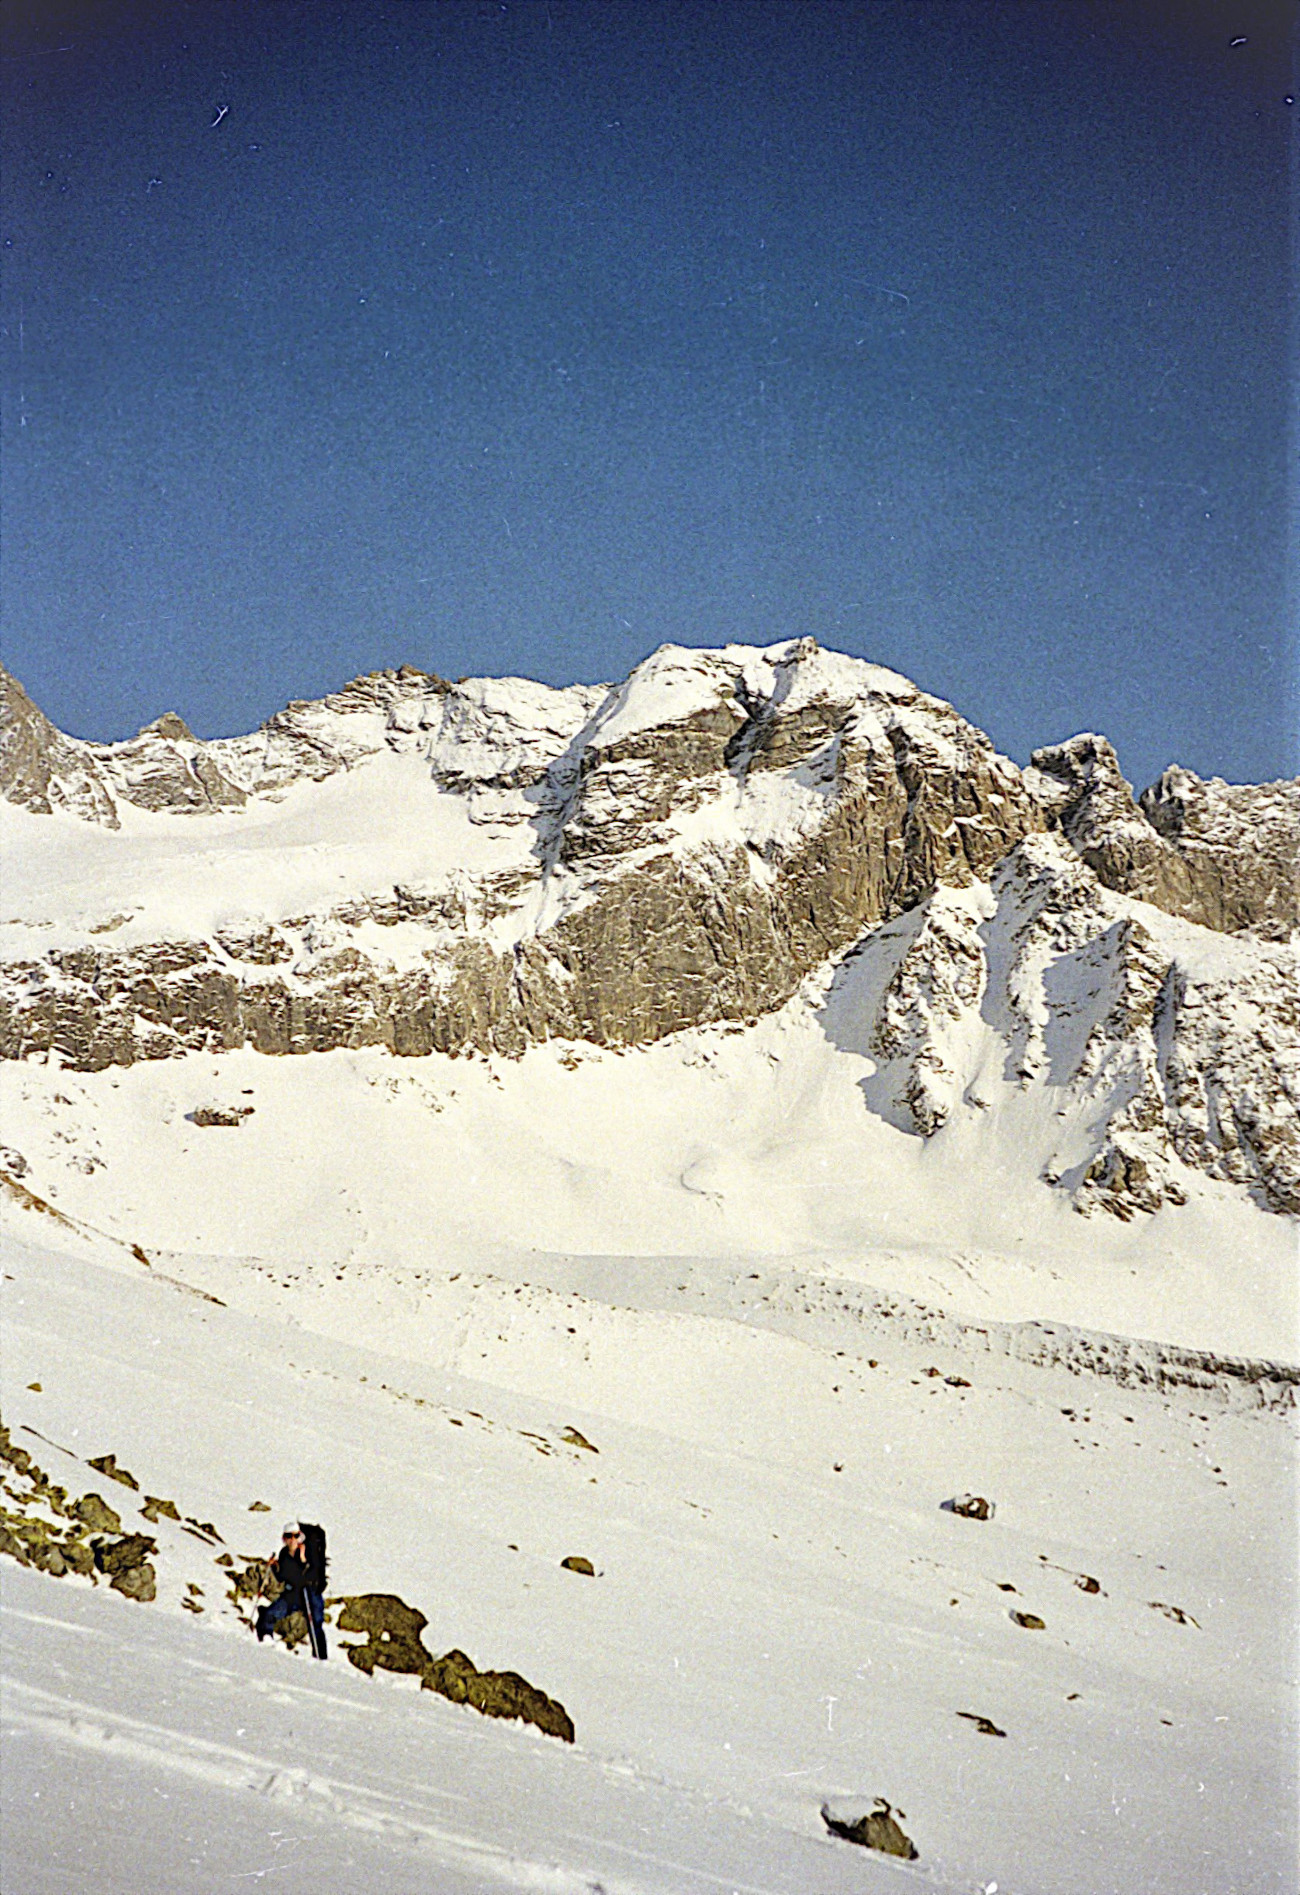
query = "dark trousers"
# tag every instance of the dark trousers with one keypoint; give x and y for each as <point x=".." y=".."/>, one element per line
<point x="307" y="1601"/>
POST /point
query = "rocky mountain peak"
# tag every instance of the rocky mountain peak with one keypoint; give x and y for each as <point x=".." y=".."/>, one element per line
<point x="486" y="865"/>
<point x="41" y="770"/>
<point x="170" y="724"/>
<point x="1224" y="855"/>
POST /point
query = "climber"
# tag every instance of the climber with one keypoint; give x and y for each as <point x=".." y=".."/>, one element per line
<point x="300" y="1568"/>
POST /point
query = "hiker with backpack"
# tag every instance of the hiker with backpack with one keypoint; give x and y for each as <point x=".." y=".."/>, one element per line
<point x="300" y="1568"/>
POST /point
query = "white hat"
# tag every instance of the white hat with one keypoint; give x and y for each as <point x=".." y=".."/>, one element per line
<point x="291" y="1531"/>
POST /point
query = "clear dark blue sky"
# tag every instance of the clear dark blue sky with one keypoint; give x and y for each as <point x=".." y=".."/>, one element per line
<point x="524" y="336"/>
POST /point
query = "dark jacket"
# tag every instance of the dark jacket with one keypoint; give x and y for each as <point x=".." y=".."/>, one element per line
<point x="291" y="1571"/>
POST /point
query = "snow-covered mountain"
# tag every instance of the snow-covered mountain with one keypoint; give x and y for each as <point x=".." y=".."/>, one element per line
<point x="730" y="1115"/>
<point x="489" y="866"/>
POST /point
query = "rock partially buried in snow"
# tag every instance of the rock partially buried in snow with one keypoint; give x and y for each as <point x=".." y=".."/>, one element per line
<point x="394" y="1643"/>
<point x="1174" y="1612"/>
<point x="155" y="1508"/>
<point x="497" y="1694"/>
<point x="970" y="1507"/>
<point x="575" y="1563"/>
<point x="95" y="1513"/>
<point x="873" y="1825"/>
<point x="106" y="1464"/>
<point x="1030" y="1621"/>
<point x="219" y="1114"/>
<point x="392" y="1628"/>
<point x="126" y="1563"/>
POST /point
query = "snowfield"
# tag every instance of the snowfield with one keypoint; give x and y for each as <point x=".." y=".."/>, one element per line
<point x="783" y="1610"/>
<point x="712" y="1143"/>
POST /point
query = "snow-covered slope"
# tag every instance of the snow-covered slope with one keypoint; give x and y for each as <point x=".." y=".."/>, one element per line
<point x="783" y="1610"/>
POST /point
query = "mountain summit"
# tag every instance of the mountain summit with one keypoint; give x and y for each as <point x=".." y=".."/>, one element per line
<point x="490" y="866"/>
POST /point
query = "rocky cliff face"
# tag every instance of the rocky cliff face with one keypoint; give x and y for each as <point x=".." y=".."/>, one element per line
<point x="618" y="864"/>
<point x="41" y="769"/>
<point x="1226" y="855"/>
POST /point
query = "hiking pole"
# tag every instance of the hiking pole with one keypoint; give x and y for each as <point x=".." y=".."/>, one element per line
<point x="257" y="1598"/>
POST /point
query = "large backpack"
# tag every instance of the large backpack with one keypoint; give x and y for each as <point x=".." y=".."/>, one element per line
<point x="314" y="1555"/>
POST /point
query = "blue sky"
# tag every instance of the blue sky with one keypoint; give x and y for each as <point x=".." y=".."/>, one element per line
<point x="523" y="337"/>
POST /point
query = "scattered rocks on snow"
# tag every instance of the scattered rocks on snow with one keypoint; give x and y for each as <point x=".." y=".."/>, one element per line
<point x="872" y="1826"/>
<point x="155" y="1509"/>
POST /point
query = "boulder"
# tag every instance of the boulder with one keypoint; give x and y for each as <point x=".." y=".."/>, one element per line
<point x="970" y="1507"/>
<point x="871" y="1826"/>
<point x="96" y="1514"/>
<point x="137" y="1582"/>
<point x="392" y="1629"/>
<point x="126" y="1563"/>
<point x="575" y="1563"/>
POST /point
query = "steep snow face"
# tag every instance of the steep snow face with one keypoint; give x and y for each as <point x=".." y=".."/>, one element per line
<point x="1152" y="1045"/>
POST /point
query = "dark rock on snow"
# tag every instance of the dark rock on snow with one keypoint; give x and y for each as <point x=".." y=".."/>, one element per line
<point x="872" y="1827"/>
<point x="394" y="1642"/>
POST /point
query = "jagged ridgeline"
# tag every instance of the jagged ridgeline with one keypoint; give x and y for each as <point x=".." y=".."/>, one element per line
<point x="686" y="848"/>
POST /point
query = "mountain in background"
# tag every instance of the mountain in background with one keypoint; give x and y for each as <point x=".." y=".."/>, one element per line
<point x="786" y="866"/>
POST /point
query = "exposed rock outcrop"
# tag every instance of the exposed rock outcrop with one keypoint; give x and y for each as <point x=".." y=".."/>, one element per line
<point x="1224" y="855"/>
<point x="1241" y="845"/>
<point x="41" y="769"/>
<point x="1163" y="1051"/>
<point x="394" y="1642"/>
<point x="722" y="824"/>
